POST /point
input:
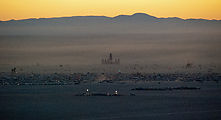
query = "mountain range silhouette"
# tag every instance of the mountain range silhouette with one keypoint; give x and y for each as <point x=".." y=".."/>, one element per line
<point x="136" y="23"/>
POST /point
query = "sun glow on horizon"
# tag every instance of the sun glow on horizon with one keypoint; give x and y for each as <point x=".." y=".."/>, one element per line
<point x="23" y="9"/>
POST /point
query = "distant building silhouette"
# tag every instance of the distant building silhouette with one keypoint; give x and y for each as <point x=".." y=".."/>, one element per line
<point x="189" y="65"/>
<point x="13" y="70"/>
<point x="110" y="60"/>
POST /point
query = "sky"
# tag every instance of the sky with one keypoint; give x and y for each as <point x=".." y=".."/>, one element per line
<point x="23" y="9"/>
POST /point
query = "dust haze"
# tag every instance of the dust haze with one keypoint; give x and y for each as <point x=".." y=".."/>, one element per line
<point x="144" y="49"/>
<point x="83" y="41"/>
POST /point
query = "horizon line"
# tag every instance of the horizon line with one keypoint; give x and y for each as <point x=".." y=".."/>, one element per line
<point x="105" y="16"/>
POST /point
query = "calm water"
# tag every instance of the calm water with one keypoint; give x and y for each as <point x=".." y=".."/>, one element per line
<point x="59" y="102"/>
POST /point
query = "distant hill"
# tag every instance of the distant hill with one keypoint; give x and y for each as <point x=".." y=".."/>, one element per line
<point x="136" y="23"/>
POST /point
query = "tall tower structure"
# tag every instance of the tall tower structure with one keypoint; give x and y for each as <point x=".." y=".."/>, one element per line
<point x="110" y="60"/>
<point x="111" y="57"/>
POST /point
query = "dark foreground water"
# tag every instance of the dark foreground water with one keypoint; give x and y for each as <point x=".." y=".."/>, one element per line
<point x="59" y="103"/>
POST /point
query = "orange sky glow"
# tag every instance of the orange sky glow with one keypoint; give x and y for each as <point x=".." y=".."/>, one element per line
<point x="24" y="9"/>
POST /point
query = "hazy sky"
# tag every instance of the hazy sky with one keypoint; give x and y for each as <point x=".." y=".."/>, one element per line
<point x="22" y="9"/>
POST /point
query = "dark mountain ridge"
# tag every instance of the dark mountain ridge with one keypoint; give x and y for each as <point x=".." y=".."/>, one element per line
<point x="136" y="23"/>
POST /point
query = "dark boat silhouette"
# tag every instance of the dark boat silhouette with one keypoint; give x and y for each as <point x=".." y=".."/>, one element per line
<point x="87" y="93"/>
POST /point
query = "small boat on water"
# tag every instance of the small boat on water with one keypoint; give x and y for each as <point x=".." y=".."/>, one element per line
<point x="87" y="93"/>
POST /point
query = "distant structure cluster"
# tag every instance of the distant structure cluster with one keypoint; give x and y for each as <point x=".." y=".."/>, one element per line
<point x="189" y="65"/>
<point x="110" y="60"/>
<point x="13" y="70"/>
